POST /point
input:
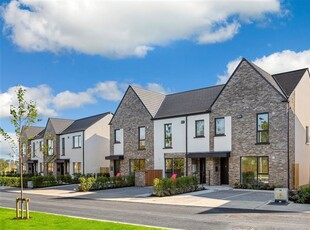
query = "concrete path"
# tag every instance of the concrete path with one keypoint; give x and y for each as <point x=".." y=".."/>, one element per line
<point x="213" y="197"/>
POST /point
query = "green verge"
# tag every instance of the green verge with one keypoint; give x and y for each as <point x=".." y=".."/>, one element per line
<point x="49" y="221"/>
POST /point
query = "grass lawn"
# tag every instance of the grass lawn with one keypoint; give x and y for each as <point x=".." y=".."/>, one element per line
<point x="49" y="221"/>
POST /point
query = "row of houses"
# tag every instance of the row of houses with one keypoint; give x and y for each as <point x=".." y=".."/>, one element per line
<point x="253" y="129"/>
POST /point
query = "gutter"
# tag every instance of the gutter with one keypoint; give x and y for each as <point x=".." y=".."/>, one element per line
<point x="83" y="152"/>
<point x="186" y="147"/>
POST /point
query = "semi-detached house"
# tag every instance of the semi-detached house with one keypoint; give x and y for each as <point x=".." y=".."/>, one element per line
<point x="254" y="129"/>
<point x="66" y="146"/>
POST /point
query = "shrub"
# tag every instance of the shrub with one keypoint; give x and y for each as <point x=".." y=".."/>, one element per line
<point x="301" y="196"/>
<point x="10" y="181"/>
<point x="168" y="186"/>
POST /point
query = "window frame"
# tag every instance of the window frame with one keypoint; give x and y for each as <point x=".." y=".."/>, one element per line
<point x="50" y="147"/>
<point x="140" y="140"/>
<point x="79" y="164"/>
<point x="115" y="140"/>
<point x="260" y="132"/>
<point x="215" y="125"/>
<point x="79" y="137"/>
<point x="307" y="135"/>
<point x="33" y="149"/>
<point x="203" y="130"/>
<point x="139" y="163"/>
<point x="63" y="146"/>
<point x="166" y="137"/>
<point x="258" y="174"/>
<point x="173" y="166"/>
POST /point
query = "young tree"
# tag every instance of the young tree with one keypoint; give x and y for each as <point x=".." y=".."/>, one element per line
<point x="22" y="117"/>
<point x="3" y="165"/>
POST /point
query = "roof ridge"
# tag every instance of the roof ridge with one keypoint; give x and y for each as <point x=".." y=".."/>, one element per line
<point x="97" y="115"/>
<point x="291" y="71"/>
<point x="140" y="87"/>
<point x="191" y="90"/>
<point x="56" y="118"/>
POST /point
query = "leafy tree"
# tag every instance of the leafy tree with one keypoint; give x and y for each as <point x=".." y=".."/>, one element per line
<point x="22" y="117"/>
<point x="3" y="165"/>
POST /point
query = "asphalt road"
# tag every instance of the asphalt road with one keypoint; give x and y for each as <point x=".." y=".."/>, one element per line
<point x="169" y="216"/>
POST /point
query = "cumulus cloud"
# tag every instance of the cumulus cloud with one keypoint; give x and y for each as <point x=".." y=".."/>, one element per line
<point x="119" y="29"/>
<point x="278" y="62"/>
<point x="5" y="150"/>
<point x="49" y="105"/>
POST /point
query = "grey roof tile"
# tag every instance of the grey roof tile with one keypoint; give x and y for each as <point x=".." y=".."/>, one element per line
<point x="32" y="131"/>
<point x="60" y="125"/>
<point x="289" y="80"/>
<point x="151" y="100"/>
<point x="189" y="102"/>
<point x="84" y="123"/>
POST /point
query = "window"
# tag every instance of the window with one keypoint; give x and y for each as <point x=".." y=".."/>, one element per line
<point x="117" y="136"/>
<point x="63" y="146"/>
<point x="76" y="167"/>
<point x="77" y="141"/>
<point x="262" y="135"/>
<point x="307" y="135"/>
<point x="174" y="166"/>
<point x="141" y="131"/>
<point x="254" y="170"/>
<point x="24" y="150"/>
<point x="50" y="147"/>
<point x="168" y="135"/>
<point x="50" y="167"/>
<point x="137" y="165"/>
<point x="220" y="126"/>
<point x="199" y="128"/>
<point x="33" y="149"/>
<point x="41" y="145"/>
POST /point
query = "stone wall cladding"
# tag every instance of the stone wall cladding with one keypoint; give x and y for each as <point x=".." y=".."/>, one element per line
<point x="131" y="115"/>
<point x="247" y="94"/>
<point x="139" y="179"/>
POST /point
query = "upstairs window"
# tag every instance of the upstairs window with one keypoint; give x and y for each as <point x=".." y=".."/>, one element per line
<point x="77" y="141"/>
<point x="262" y="122"/>
<point x="220" y="126"/>
<point x="199" y="128"/>
<point x="41" y="145"/>
<point x="50" y="147"/>
<point x="117" y="136"/>
<point x="168" y="135"/>
<point x="307" y="135"/>
<point x="63" y="146"/>
<point x="33" y="149"/>
<point x="141" y="131"/>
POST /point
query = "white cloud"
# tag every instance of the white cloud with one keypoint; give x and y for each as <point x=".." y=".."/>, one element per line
<point x="70" y="100"/>
<point x="126" y="28"/>
<point x="5" y="150"/>
<point x="157" y="88"/>
<point x="109" y="90"/>
<point x="278" y="62"/>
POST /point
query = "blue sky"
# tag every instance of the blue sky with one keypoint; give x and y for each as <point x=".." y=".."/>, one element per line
<point x="76" y="59"/>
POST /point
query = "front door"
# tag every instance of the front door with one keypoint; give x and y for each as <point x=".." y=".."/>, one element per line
<point x="202" y="170"/>
<point x="224" y="170"/>
<point x="60" y="169"/>
<point x="116" y="167"/>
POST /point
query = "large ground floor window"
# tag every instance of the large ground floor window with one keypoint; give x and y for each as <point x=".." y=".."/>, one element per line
<point x="76" y="167"/>
<point x="254" y="170"/>
<point x="137" y="165"/>
<point x="50" y="167"/>
<point x="174" y="166"/>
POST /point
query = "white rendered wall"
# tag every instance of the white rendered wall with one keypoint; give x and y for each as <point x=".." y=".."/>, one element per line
<point x="38" y="154"/>
<point x="200" y="144"/>
<point x="97" y="145"/>
<point x="119" y="147"/>
<point x="302" y="119"/>
<point x="223" y="143"/>
<point x="74" y="154"/>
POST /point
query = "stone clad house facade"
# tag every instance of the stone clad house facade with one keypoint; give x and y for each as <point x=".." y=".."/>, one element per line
<point x="252" y="130"/>
<point x="132" y="131"/>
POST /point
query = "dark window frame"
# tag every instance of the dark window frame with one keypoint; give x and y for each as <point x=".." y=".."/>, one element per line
<point x="172" y="166"/>
<point x="257" y="168"/>
<point x="79" y="142"/>
<point x="166" y="138"/>
<point x="139" y="160"/>
<point x="140" y="140"/>
<point x="196" y="134"/>
<point x="116" y="141"/>
<point x="215" y="130"/>
<point x="63" y="150"/>
<point x="33" y="149"/>
<point x="260" y="132"/>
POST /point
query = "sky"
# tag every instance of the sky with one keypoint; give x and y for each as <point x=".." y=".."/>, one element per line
<point x="76" y="58"/>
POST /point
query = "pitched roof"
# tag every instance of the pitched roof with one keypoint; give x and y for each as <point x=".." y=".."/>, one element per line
<point x="59" y="124"/>
<point x="32" y="131"/>
<point x="267" y="77"/>
<point x="84" y="123"/>
<point x="151" y="100"/>
<point x="289" y="80"/>
<point x="189" y="102"/>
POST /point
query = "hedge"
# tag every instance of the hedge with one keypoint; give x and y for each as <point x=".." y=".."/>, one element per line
<point x="301" y="196"/>
<point x="100" y="183"/>
<point x="169" y="186"/>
